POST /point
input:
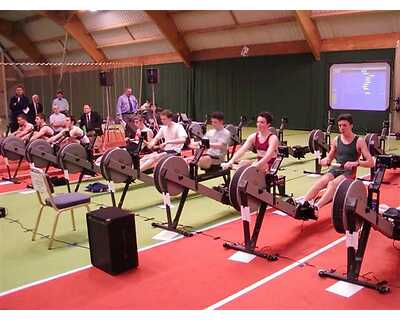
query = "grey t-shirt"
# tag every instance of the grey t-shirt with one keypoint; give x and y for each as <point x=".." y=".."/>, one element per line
<point x="218" y="136"/>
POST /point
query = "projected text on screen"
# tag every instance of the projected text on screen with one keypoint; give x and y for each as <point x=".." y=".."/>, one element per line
<point x="360" y="86"/>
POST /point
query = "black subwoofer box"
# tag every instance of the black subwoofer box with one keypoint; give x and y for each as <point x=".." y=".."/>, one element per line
<point x="112" y="239"/>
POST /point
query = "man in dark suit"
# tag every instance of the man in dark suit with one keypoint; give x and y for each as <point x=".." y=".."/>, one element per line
<point x="90" y="120"/>
<point x="18" y="105"/>
<point x="35" y="107"/>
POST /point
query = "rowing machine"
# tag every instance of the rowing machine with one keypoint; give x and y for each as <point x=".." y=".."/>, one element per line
<point x="251" y="190"/>
<point x="12" y="148"/>
<point x="355" y="210"/>
<point x="120" y="166"/>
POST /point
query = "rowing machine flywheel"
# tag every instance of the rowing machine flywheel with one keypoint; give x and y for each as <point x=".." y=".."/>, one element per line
<point x="36" y="151"/>
<point x="170" y="164"/>
<point x="69" y="156"/>
<point x="246" y="175"/>
<point x="315" y="138"/>
<point x="113" y="160"/>
<point x="347" y="192"/>
<point x="13" y="148"/>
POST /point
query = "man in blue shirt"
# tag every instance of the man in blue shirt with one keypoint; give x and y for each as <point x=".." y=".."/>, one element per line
<point x="127" y="105"/>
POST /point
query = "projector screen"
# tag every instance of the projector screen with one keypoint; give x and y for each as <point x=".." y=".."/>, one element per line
<point x="360" y="86"/>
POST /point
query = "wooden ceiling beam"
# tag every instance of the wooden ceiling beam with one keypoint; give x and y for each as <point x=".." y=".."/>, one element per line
<point x="265" y="49"/>
<point x="310" y="31"/>
<point x="136" y="41"/>
<point x="74" y="26"/>
<point x="364" y="42"/>
<point x="342" y="13"/>
<point x="259" y="23"/>
<point x="14" y="33"/>
<point x="168" y="28"/>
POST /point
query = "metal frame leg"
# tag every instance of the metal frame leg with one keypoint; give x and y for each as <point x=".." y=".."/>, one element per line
<point x="355" y="256"/>
<point x="172" y="223"/>
<point x="37" y="223"/>
<point x="73" y="220"/>
<point x="250" y="239"/>
<point x="53" y="232"/>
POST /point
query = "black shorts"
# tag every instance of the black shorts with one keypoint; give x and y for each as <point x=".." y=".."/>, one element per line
<point x="336" y="172"/>
<point x="171" y="152"/>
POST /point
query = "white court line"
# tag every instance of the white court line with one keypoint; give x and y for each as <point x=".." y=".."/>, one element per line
<point x="274" y="275"/>
<point x="140" y="250"/>
<point x="89" y="265"/>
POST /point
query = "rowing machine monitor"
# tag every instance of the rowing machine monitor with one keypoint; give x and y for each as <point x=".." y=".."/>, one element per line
<point x="205" y="142"/>
<point x="143" y="135"/>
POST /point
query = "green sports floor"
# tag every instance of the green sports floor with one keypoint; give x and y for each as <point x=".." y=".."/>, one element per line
<point x="23" y="261"/>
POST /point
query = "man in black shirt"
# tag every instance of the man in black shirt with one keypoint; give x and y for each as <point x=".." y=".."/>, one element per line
<point x="18" y="105"/>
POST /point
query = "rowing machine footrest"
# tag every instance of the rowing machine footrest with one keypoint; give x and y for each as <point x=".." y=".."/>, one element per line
<point x="304" y="211"/>
<point x="392" y="213"/>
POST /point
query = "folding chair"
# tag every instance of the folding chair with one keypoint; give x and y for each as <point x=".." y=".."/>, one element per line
<point x="59" y="202"/>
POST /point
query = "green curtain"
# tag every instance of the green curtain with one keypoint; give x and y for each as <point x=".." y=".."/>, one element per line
<point x="247" y="86"/>
<point x="293" y="86"/>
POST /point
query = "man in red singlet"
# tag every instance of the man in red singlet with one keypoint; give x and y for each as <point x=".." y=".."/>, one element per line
<point x="263" y="141"/>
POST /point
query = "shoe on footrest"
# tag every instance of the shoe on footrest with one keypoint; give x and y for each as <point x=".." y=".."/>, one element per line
<point x="305" y="211"/>
<point x="392" y="213"/>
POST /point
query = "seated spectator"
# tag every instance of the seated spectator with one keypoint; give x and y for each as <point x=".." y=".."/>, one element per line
<point x="90" y="120"/>
<point x="35" y="107"/>
<point x="57" y="119"/>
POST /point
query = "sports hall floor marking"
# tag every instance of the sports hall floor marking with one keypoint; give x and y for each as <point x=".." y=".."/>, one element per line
<point x="89" y="265"/>
<point x="214" y="306"/>
<point x="344" y="289"/>
<point x="274" y="275"/>
<point x="243" y="257"/>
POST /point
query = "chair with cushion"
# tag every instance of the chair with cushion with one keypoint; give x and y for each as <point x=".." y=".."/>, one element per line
<point x="59" y="202"/>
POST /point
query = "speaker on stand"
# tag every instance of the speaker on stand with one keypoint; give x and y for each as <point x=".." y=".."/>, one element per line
<point x="153" y="78"/>
<point x="106" y="79"/>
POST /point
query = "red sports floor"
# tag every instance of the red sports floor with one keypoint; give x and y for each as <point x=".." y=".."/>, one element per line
<point x="195" y="273"/>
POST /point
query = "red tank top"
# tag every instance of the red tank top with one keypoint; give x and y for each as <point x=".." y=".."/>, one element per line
<point x="262" y="147"/>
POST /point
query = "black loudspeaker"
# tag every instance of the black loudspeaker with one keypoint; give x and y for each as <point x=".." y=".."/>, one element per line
<point x="112" y="239"/>
<point x="106" y="78"/>
<point x="152" y="76"/>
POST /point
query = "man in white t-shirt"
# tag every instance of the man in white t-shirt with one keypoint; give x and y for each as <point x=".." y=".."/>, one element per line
<point x="174" y="136"/>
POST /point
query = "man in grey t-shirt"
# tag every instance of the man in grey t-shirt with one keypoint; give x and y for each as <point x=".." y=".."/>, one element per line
<point x="219" y="140"/>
